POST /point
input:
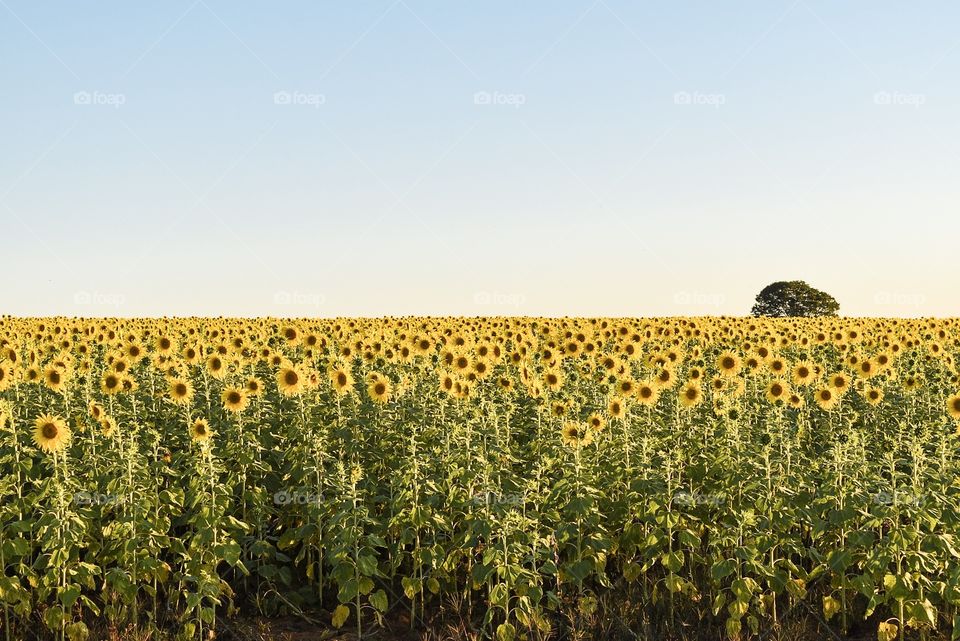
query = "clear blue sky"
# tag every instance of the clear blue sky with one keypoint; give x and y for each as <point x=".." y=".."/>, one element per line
<point x="409" y="157"/>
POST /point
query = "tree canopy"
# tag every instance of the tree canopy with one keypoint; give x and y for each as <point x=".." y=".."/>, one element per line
<point x="794" y="298"/>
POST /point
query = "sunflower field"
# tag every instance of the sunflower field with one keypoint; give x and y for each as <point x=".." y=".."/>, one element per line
<point x="535" y="476"/>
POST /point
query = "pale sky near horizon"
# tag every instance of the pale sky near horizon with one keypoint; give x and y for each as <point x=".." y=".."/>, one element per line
<point x="388" y="157"/>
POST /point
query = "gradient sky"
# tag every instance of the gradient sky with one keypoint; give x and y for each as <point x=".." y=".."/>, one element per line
<point x="590" y="157"/>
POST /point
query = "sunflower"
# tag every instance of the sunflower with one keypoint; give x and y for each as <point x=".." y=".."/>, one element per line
<point x="827" y="398"/>
<point x="32" y="375"/>
<point x="342" y="381"/>
<point x="559" y="409"/>
<point x="616" y="407"/>
<point x="839" y="382"/>
<point x="200" y="430"/>
<point x="96" y="410"/>
<point x="6" y="376"/>
<point x="867" y="368"/>
<point x="108" y="425"/>
<point x="111" y="383"/>
<point x="778" y="366"/>
<point x="666" y="378"/>
<point x="690" y="395"/>
<point x="253" y="386"/>
<point x="911" y="383"/>
<point x="133" y="351"/>
<point x="873" y="395"/>
<point x="181" y="392"/>
<point x="164" y="345"/>
<point x="574" y="435"/>
<point x="953" y="406"/>
<point x="379" y="390"/>
<point x="795" y="401"/>
<point x="54" y="378"/>
<point x="596" y="422"/>
<point x="729" y="364"/>
<point x="191" y="354"/>
<point x="216" y="367"/>
<point x="291" y="335"/>
<point x="777" y="390"/>
<point x="50" y="433"/>
<point x="234" y="400"/>
<point x="803" y="373"/>
<point x="447" y="382"/>
<point x="553" y="379"/>
<point x="626" y="387"/>
<point x="290" y="381"/>
<point x="647" y="393"/>
<point x="128" y="384"/>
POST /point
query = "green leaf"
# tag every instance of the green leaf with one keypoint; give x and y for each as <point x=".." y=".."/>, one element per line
<point x="411" y="586"/>
<point x="506" y="632"/>
<point x="367" y="564"/>
<point x="673" y="561"/>
<point x="340" y="614"/>
<point x="887" y="631"/>
<point x="722" y="569"/>
<point x="379" y="600"/>
<point x="68" y="596"/>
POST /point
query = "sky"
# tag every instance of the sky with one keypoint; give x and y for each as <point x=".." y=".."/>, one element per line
<point x="413" y="157"/>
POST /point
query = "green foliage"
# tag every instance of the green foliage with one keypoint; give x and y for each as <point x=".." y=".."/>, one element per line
<point x="794" y="298"/>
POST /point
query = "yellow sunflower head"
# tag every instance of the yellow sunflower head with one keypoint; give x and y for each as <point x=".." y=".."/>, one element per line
<point x="379" y="390"/>
<point x="290" y="380"/>
<point x="200" y="431"/>
<point x="181" y="392"/>
<point x="953" y="406"/>
<point x="51" y="433"/>
<point x="575" y="435"/>
<point x="234" y="400"/>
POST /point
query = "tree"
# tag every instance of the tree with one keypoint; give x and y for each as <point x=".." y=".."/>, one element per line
<point x="794" y="298"/>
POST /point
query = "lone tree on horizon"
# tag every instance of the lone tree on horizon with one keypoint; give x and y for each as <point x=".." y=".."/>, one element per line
<point x="794" y="298"/>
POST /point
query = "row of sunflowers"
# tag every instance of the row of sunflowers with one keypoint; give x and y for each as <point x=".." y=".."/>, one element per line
<point x="536" y="474"/>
